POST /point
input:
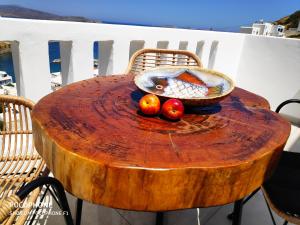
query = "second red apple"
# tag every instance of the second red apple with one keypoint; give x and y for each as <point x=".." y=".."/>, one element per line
<point x="173" y="109"/>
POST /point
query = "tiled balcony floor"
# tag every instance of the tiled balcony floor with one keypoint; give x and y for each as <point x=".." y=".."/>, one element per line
<point x="255" y="213"/>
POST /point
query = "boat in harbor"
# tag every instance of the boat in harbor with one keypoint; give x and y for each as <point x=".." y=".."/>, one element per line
<point x="56" y="61"/>
<point x="5" y="78"/>
<point x="7" y="86"/>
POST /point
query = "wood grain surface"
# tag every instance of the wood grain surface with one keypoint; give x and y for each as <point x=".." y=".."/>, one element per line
<point x="96" y="142"/>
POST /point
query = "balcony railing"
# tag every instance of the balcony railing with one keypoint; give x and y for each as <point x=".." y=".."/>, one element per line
<point x="265" y="65"/>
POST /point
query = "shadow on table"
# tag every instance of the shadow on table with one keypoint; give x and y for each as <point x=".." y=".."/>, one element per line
<point x="203" y="110"/>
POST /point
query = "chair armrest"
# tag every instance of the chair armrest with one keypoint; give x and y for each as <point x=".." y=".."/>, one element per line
<point x="285" y="103"/>
<point x="8" y="206"/>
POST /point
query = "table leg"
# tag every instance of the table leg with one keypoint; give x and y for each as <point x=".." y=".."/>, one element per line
<point x="237" y="212"/>
<point x="78" y="211"/>
<point x="229" y="216"/>
<point x="159" y="218"/>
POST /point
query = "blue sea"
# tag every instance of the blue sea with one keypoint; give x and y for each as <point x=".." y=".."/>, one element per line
<point x="6" y="62"/>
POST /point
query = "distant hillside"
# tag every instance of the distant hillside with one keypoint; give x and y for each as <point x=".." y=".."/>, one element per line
<point x="14" y="11"/>
<point x="290" y="21"/>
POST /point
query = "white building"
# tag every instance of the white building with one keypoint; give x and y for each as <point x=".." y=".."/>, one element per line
<point x="298" y="29"/>
<point x="250" y="30"/>
<point x="278" y="31"/>
<point x="264" y="28"/>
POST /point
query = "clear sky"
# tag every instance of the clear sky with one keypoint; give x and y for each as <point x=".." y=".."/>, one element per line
<point x="218" y="14"/>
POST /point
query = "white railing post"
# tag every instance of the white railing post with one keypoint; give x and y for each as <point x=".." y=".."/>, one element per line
<point x="150" y="44"/>
<point x="134" y="46"/>
<point x="206" y="52"/>
<point x="199" y="49"/>
<point x="183" y="45"/>
<point x="120" y="56"/>
<point x="192" y="46"/>
<point x="16" y="62"/>
<point x="212" y="54"/>
<point x="77" y="60"/>
<point x="65" y="53"/>
<point x="162" y="44"/>
<point x="31" y="66"/>
<point x="173" y="45"/>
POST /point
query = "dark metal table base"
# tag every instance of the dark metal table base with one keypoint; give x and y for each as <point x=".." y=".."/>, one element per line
<point x="236" y="220"/>
<point x="237" y="212"/>
<point x="159" y="218"/>
<point x="78" y="211"/>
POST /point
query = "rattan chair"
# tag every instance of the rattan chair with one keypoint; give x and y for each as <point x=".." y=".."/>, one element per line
<point x="150" y="58"/>
<point x="20" y="164"/>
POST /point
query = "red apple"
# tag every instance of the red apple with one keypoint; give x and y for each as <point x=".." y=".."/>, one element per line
<point x="173" y="109"/>
<point x="150" y="104"/>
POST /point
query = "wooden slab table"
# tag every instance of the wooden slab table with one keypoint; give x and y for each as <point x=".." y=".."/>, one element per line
<point x="94" y="140"/>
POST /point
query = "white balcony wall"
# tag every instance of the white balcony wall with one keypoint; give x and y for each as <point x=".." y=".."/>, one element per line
<point x="265" y="65"/>
<point x="31" y="54"/>
<point x="270" y="67"/>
